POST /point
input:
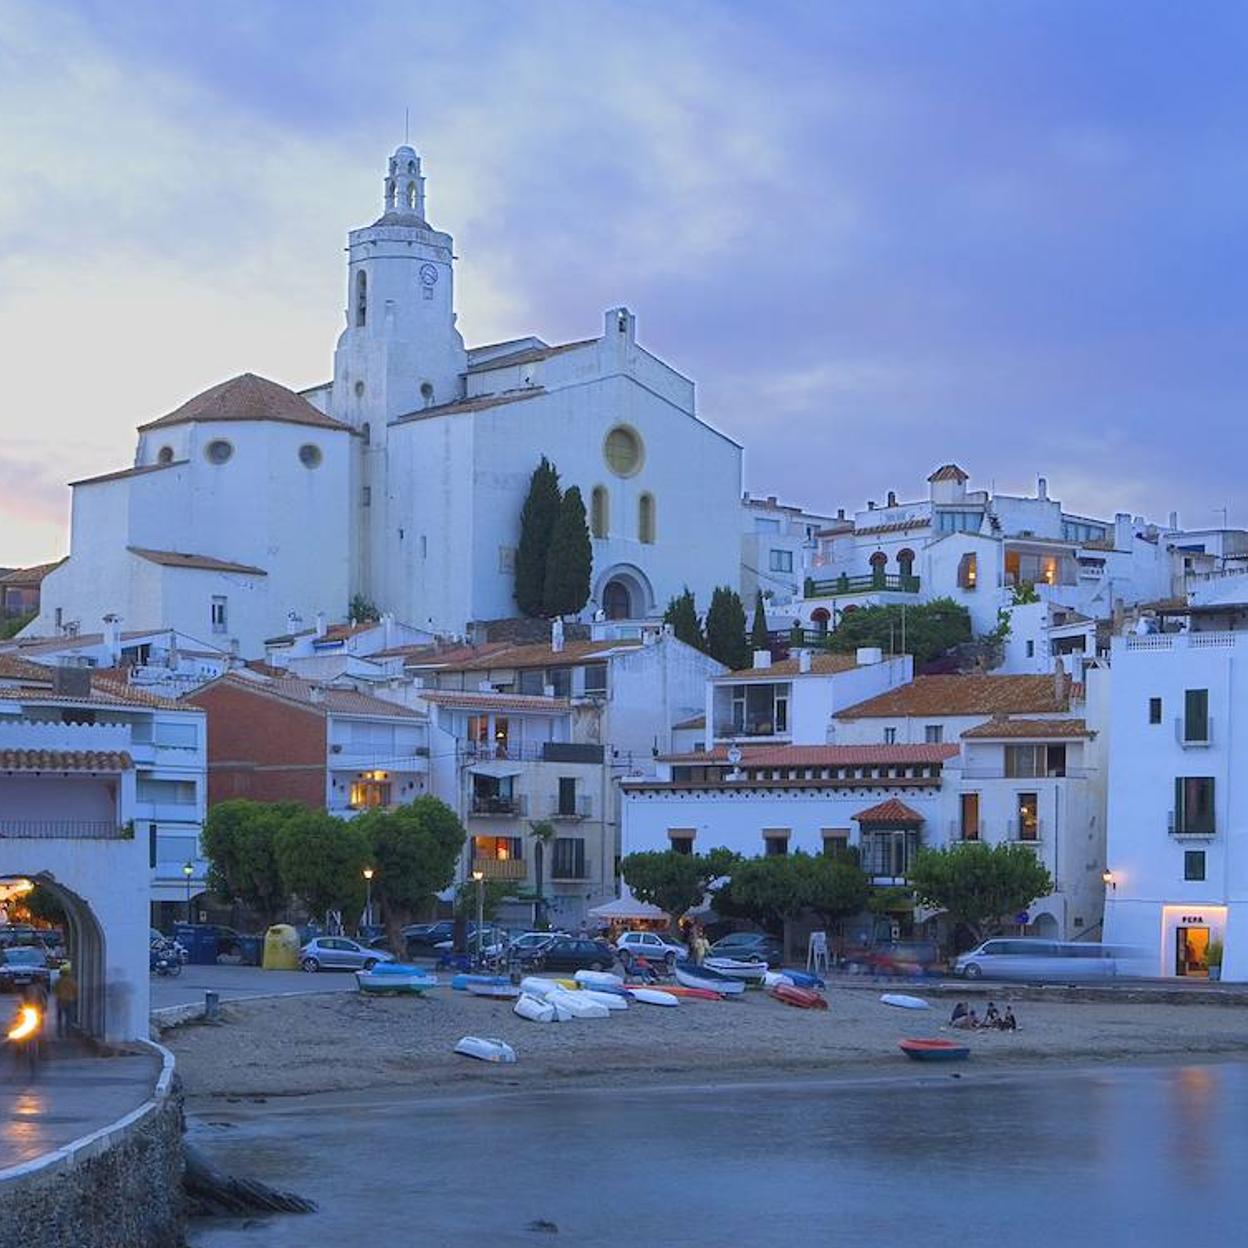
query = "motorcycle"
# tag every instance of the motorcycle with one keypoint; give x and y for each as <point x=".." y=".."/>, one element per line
<point x="25" y="1036"/>
<point x="165" y="962"/>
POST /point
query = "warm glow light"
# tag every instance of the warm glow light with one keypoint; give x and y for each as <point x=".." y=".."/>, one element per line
<point x="478" y="876"/>
<point x="188" y="870"/>
<point x="368" y="873"/>
<point x="27" y="1023"/>
<point x="1107" y="876"/>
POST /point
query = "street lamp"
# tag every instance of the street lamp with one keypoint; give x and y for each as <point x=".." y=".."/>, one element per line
<point x="368" y="905"/>
<point x="479" y="876"/>
<point x="1107" y="878"/>
<point x="188" y="870"/>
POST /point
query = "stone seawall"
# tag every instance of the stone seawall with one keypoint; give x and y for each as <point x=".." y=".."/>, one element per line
<point x="120" y="1187"/>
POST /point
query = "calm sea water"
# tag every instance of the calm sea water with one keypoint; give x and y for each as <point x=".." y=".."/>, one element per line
<point x="1117" y="1157"/>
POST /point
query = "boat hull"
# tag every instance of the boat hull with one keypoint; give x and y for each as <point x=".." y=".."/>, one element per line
<point x="747" y="972"/>
<point x="485" y="1050"/>
<point x="413" y="984"/>
<point x="902" y="1002"/>
<point x="934" y="1050"/>
<point x="801" y="998"/>
<point x="708" y="980"/>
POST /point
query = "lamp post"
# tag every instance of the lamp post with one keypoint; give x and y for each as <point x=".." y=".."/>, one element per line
<point x="1107" y="878"/>
<point x="479" y="876"/>
<point x="368" y="905"/>
<point x="188" y="870"/>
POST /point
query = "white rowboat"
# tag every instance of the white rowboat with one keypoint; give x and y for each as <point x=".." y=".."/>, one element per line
<point x="486" y="1050"/>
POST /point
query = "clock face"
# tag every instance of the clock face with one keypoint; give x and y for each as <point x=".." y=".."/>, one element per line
<point x="428" y="274"/>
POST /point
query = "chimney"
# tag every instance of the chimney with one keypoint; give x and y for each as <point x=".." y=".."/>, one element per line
<point x="1174" y="520"/>
<point x="1042" y="487"/>
<point x="1060" y="684"/>
<point x="320" y="623"/>
<point x="840" y="513"/>
<point x="892" y="498"/>
<point x="803" y="660"/>
<point x="316" y="693"/>
<point x="870" y="504"/>
<point x="556" y="635"/>
<point x="762" y="659"/>
<point x="112" y="639"/>
<point x="71" y="682"/>
<point x="387" y="630"/>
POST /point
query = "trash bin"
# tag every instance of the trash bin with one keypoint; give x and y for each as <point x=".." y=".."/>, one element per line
<point x="281" y="948"/>
<point x="200" y="942"/>
<point x="251" y="950"/>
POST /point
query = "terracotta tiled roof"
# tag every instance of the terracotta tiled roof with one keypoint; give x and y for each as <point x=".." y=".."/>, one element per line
<point x="104" y="692"/>
<point x="65" y="760"/>
<point x="963" y="695"/>
<point x="697" y="721"/>
<point x="891" y="811"/>
<point x="321" y="699"/>
<point x="822" y="755"/>
<point x="894" y="526"/>
<point x="12" y="667"/>
<point x="997" y="729"/>
<point x="949" y="472"/>
<point x="247" y="397"/>
<point x="821" y="664"/>
<point x="122" y="473"/>
<point x="199" y="563"/>
<point x="479" y="404"/>
<point x="480" y="701"/>
<point x="538" y="655"/>
<point x="528" y="355"/>
<point x="30" y="576"/>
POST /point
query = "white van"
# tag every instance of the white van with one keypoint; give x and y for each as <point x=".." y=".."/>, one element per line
<point x="1024" y="958"/>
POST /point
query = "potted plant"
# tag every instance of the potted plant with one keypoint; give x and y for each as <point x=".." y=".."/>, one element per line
<point x="1213" y="959"/>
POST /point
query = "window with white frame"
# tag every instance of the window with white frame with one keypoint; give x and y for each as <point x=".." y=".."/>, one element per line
<point x="781" y="560"/>
<point x="220" y="613"/>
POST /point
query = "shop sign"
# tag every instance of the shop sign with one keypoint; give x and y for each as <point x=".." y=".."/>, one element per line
<point x="1197" y="919"/>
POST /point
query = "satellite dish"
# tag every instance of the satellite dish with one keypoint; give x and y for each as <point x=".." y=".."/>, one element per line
<point x="734" y="754"/>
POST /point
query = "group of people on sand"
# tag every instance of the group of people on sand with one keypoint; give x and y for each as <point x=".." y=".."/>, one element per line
<point x="966" y="1019"/>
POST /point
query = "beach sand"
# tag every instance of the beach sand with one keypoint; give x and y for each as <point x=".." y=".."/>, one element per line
<point x="296" y="1046"/>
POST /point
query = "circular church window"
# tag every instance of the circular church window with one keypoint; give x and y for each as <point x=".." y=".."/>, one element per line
<point x="310" y="456"/>
<point x="218" y="451"/>
<point x="164" y="455"/>
<point x="623" y="451"/>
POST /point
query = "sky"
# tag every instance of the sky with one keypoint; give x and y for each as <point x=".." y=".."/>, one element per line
<point x="879" y="236"/>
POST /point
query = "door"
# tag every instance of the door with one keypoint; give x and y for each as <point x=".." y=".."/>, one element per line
<point x="1191" y="948"/>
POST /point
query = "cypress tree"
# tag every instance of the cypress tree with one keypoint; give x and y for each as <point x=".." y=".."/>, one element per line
<point x="759" y="640"/>
<point x="570" y="560"/>
<point x="682" y="615"/>
<point x="725" y="629"/>
<point x="537" y="523"/>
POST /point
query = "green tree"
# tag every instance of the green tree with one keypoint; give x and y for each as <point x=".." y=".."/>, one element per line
<point x="543" y="833"/>
<point x="673" y="881"/>
<point x="979" y="885"/>
<point x="570" y="560"/>
<point x="363" y="611"/>
<point x="725" y="629"/>
<point x="682" y="615"/>
<point x="45" y="906"/>
<point x="239" y="842"/>
<point x="759" y="637"/>
<point x="931" y="629"/>
<point x="321" y="861"/>
<point x="834" y="887"/>
<point x="414" y="852"/>
<point x="537" y="524"/>
<point x="768" y="891"/>
<point x="494" y="894"/>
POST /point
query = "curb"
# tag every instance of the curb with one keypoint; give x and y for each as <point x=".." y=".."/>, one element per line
<point x="177" y="1015"/>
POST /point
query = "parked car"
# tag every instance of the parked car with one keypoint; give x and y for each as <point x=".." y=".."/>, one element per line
<point x="908" y="958"/>
<point x="340" y="953"/>
<point x="749" y="947"/>
<point x="527" y="943"/>
<point x="21" y="965"/>
<point x="1027" y="958"/>
<point x="423" y="938"/>
<point x="570" y="953"/>
<point x="493" y="941"/>
<point x="651" y="946"/>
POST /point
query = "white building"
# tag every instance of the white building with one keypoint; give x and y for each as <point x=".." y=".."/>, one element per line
<point x="1178" y="825"/>
<point x="778" y="548"/>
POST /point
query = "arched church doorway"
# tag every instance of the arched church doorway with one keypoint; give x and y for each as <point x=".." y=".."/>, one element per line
<point x="617" y="603"/>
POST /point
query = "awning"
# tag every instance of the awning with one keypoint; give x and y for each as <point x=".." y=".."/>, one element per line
<point x="627" y="908"/>
<point x="497" y="770"/>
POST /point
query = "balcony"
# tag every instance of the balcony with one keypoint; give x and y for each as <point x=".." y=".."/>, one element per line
<point x="516" y="752"/>
<point x="1026" y="833"/>
<point x="500" y="868"/>
<point x="64" y="830"/>
<point x="499" y="807"/>
<point x="837" y="586"/>
<point x="564" y="874"/>
<point x="581" y="808"/>
<point x="751" y="728"/>
<point x="1194" y="734"/>
<point x="1187" y="833"/>
<point x="965" y="831"/>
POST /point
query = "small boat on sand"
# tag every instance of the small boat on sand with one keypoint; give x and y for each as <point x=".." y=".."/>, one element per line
<point x="578" y="1004"/>
<point x="486" y="1050"/>
<point x="934" y="1050"/>
<point x="506" y="990"/>
<point x="598" y="979"/>
<point x="612" y="1000"/>
<point x="802" y="979"/>
<point x="654" y="996"/>
<point x="802" y="998"/>
<point x="535" y="1009"/>
<point x="747" y="972"/>
<point x="461" y="983"/>
<point x="690" y="975"/>
<point x="681" y="990"/>
<point x="411" y="980"/>
<point x="903" y="1002"/>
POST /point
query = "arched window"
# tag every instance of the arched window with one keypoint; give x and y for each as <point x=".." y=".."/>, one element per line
<point x="905" y="566"/>
<point x="599" y="512"/>
<point x="165" y="455"/>
<point x="820" y="618"/>
<point x="367" y="430"/>
<point x="411" y="196"/>
<point x="361" y="297"/>
<point x="879" y="561"/>
<point x="617" y="604"/>
<point x="645" y="518"/>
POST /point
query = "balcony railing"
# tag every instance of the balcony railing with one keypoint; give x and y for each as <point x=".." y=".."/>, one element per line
<point x="518" y="752"/>
<point x="892" y="582"/>
<point x="581" y="808"/>
<point x="965" y="830"/>
<point x="754" y="728"/>
<point x="500" y="807"/>
<point x="1194" y="735"/>
<point x="999" y="773"/>
<point x="1172" y="827"/>
<point x="1028" y="832"/>
<point x="64" y="830"/>
<point x="501" y="868"/>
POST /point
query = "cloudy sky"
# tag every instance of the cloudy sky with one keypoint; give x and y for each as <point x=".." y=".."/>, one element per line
<point x="880" y="236"/>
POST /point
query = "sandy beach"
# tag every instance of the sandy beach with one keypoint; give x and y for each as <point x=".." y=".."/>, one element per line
<point x="302" y="1045"/>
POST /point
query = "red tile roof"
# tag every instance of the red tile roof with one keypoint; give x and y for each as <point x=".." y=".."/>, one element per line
<point x="104" y="692"/>
<point x="949" y="472"/>
<point x="480" y="701"/>
<point x="198" y="563"/>
<point x="510" y="656"/>
<point x="320" y="699"/>
<point x="822" y="755"/>
<point x="1000" y="728"/>
<point x="696" y="721"/>
<point x="14" y="668"/>
<point x="965" y="695"/>
<point x="894" y="526"/>
<point x="821" y="664"/>
<point x="247" y="397"/>
<point x="30" y="576"/>
<point x="891" y="811"/>
<point x="65" y="760"/>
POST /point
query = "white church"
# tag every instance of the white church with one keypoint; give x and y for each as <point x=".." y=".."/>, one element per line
<point x="252" y="508"/>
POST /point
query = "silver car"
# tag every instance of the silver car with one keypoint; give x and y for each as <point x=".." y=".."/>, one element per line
<point x="651" y="946"/>
<point x="1030" y="959"/>
<point x="326" y="953"/>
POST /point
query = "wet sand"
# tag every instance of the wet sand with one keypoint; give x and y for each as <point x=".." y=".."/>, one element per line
<point x="348" y="1042"/>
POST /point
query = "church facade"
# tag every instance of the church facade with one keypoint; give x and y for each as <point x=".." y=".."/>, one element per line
<point x="251" y="508"/>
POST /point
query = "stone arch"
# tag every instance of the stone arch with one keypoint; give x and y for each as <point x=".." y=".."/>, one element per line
<point x="623" y="591"/>
<point x="905" y="562"/>
<point x="879" y="562"/>
<point x="821" y="618"/>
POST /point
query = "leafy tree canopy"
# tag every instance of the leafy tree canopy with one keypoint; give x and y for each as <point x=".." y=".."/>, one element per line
<point x="979" y="885"/>
<point x="725" y="629"/>
<point x="682" y="615"/>
<point x="673" y="881"/>
<point x="932" y="629"/>
<point x="239" y="841"/>
<point x="759" y="638"/>
<point x="321" y="861"/>
<point x="776" y="888"/>
<point x="570" y="559"/>
<point x="537" y="524"/>
<point x="363" y="610"/>
<point x="495" y="892"/>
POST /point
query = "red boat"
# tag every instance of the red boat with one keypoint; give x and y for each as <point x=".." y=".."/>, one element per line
<point x="679" y="990"/>
<point x="935" y="1050"/>
<point x="803" y="998"/>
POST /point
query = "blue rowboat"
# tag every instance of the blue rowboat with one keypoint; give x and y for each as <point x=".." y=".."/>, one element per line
<point x="690" y="975"/>
<point x="935" y="1050"/>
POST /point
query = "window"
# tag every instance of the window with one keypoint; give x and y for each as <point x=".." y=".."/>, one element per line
<point x="493" y="795"/>
<point x="220" y="613"/>
<point x="835" y="842"/>
<point x="968" y="823"/>
<point x="968" y="571"/>
<point x="959" y="521"/>
<point x="623" y="451"/>
<point x="681" y="839"/>
<point x="1193" y="804"/>
<point x="1154" y="710"/>
<point x="890" y="736"/>
<point x="1025" y="762"/>
<point x="171" y="792"/>
<point x="560" y="680"/>
<point x="531" y="682"/>
<point x="218" y="451"/>
<point x="599" y="512"/>
<point x="310" y="455"/>
<point x="905" y="564"/>
<point x="567" y="795"/>
<point x="781" y="561"/>
<point x="568" y="859"/>
<point x="366" y="496"/>
<point x="1196" y="715"/>
<point x="1073" y="531"/>
<point x="645" y="519"/>
<point x="934" y="734"/>
<point x="1194" y="864"/>
<point x="1031" y="649"/>
<point x="370" y="790"/>
<point x="776" y="841"/>
<point x="879" y="568"/>
<point x="595" y="680"/>
<point x="361" y="298"/>
<point x="499" y="848"/>
<point x="1028" y="824"/>
<point x="176" y="736"/>
<point x="165" y="455"/>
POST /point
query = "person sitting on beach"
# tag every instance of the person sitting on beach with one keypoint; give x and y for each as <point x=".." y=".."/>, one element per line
<point x="991" y="1017"/>
<point x="966" y="1022"/>
<point x="1009" y="1022"/>
<point x="959" y="1011"/>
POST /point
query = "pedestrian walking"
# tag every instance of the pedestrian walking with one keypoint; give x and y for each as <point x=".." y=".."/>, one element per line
<point x="66" y="1000"/>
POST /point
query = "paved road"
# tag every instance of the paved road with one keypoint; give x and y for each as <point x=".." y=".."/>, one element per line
<point x="72" y="1094"/>
<point x="233" y="982"/>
